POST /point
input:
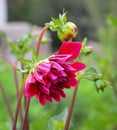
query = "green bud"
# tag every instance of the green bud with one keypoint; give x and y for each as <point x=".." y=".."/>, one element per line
<point x="102" y="84"/>
<point x="67" y="31"/>
<point x="87" y="50"/>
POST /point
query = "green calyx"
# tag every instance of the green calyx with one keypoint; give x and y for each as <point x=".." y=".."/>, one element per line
<point x="56" y="24"/>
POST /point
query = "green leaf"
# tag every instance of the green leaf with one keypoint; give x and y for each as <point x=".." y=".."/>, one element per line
<point x="12" y="45"/>
<point x="108" y="84"/>
<point x="26" y="71"/>
<point x="84" y="41"/>
<point x="92" y="74"/>
<point x="91" y="70"/>
<point x="5" y="38"/>
<point x="25" y="61"/>
<point x="63" y="18"/>
<point x="41" y="124"/>
<point x="22" y="42"/>
<point x="57" y="122"/>
<point x="98" y="83"/>
<point x="102" y="84"/>
<point x="57" y="23"/>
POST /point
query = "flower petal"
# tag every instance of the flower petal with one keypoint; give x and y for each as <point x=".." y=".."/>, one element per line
<point x="51" y="76"/>
<point x="69" y="68"/>
<point x="39" y="77"/>
<point x="62" y="93"/>
<point x="31" y="79"/>
<point x="30" y="87"/>
<point x="79" y="66"/>
<point x="70" y="48"/>
<point x="44" y="67"/>
<point x="42" y="88"/>
<point x="56" y="66"/>
<point x="49" y="98"/>
<point x="41" y="98"/>
<point x="56" y="97"/>
<point x="30" y="90"/>
<point x="71" y="82"/>
<point x="61" y="58"/>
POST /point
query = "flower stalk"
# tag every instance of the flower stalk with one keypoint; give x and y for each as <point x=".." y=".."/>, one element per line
<point x="19" y="103"/>
<point x="67" y="123"/>
<point x="71" y="105"/>
<point x="17" y="88"/>
<point x="26" y="115"/>
<point x="40" y="39"/>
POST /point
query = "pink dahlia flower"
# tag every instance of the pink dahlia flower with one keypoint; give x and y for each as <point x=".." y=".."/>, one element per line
<point x="50" y="76"/>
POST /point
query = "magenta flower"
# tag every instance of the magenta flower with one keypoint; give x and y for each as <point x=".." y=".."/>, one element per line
<point x="49" y="78"/>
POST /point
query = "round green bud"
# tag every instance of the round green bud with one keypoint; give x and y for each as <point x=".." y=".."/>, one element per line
<point x="67" y="31"/>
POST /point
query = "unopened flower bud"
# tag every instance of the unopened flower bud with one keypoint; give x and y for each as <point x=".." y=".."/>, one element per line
<point x="67" y="32"/>
<point x="87" y="50"/>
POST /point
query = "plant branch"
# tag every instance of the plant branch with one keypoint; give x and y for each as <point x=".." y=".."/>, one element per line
<point x="6" y="101"/>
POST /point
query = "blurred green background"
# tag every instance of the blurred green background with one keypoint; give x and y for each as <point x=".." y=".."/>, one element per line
<point x="96" y="20"/>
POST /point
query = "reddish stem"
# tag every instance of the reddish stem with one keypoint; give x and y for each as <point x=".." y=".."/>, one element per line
<point x="70" y="109"/>
<point x="26" y="115"/>
<point x="40" y="39"/>
<point x="16" y="79"/>
<point x="17" y="88"/>
<point x="25" y="101"/>
<point x="6" y="101"/>
<point x="19" y="103"/>
<point x="6" y="59"/>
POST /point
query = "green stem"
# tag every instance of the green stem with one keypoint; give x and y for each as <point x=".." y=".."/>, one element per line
<point x="7" y="102"/>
